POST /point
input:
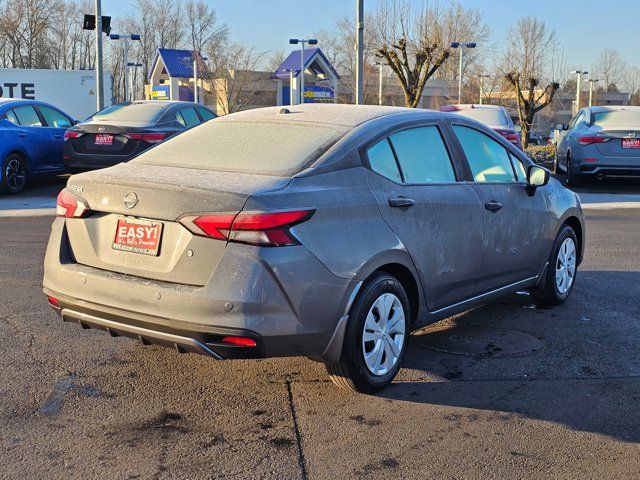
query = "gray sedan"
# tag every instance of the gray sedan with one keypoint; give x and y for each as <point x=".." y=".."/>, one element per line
<point x="325" y="231"/>
<point x="600" y="141"/>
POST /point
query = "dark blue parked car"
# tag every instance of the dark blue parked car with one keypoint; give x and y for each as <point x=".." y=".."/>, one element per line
<point x="31" y="141"/>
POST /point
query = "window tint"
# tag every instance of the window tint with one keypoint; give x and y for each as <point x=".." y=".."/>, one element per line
<point x="188" y="117"/>
<point x="132" y="112"/>
<point x="12" y="117"/>
<point x="423" y="156"/>
<point x="206" y="114"/>
<point x="382" y="160"/>
<point x="519" y="167"/>
<point x="576" y="120"/>
<point x="27" y="116"/>
<point x="54" y="118"/>
<point x="488" y="160"/>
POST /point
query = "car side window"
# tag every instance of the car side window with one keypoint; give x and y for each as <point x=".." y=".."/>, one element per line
<point x="12" y="117"/>
<point x="423" y="156"/>
<point x="206" y="114"/>
<point x="27" y="116"/>
<point x="521" y="171"/>
<point x="383" y="161"/>
<point x="54" y="118"/>
<point x="576" y="120"/>
<point x="489" y="161"/>
<point x="188" y="117"/>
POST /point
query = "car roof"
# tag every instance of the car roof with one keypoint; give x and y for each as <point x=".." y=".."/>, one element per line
<point x="469" y="106"/>
<point x="329" y="114"/>
<point x="613" y="108"/>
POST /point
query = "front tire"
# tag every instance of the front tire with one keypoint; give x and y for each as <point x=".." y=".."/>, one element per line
<point x="14" y="174"/>
<point x="561" y="273"/>
<point x="375" y="338"/>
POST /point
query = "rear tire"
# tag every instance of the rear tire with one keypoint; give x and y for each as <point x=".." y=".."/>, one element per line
<point x="375" y="338"/>
<point x="14" y="174"/>
<point x="561" y="272"/>
<point x="573" y="180"/>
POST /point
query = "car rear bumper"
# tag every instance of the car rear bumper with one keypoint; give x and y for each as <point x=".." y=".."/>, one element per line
<point x="287" y="302"/>
<point x="608" y="170"/>
<point x="74" y="160"/>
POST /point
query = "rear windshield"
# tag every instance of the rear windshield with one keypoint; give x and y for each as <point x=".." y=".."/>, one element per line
<point x="493" y="117"/>
<point x="259" y="148"/>
<point x="134" y="112"/>
<point x="620" y="118"/>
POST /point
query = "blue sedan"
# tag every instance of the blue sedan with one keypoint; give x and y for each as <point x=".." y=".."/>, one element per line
<point x="31" y="141"/>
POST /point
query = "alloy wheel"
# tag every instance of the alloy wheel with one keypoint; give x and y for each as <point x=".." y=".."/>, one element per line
<point x="15" y="174"/>
<point x="566" y="265"/>
<point x="383" y="335"/>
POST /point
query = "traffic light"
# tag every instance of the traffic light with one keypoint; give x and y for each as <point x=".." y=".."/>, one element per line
<point x="90" y="23"/>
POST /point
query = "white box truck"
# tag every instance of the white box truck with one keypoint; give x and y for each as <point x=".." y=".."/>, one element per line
<point x="73" y="91"/>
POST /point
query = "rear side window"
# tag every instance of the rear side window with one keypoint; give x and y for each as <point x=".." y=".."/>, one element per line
<point x="54" y="118"/>
<point x="27" y="116"/>
<point x="188" y="117"/>
<point x="12" y="117"/>
<point x="382" y="160"/>
<point x="422" y="155"/>
<point x="488" y="160"/>
<point x="206" y="114"/>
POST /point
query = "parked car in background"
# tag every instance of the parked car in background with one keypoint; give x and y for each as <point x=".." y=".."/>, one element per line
<point x="31" y="140"/>
<point x="493" y="116"/>
<point x="535" y="138"/>
<point x="122" y="131"/>
<point x="325" y="231"/>
<point x="599" y="141"/>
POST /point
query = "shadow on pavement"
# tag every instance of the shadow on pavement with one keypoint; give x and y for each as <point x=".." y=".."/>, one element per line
<point x="585" y="376"/>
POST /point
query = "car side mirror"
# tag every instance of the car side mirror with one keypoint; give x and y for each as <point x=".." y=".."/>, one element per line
<point x="537" y="176"/>
<point x="561" y="126"/>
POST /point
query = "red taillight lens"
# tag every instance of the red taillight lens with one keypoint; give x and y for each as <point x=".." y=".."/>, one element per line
<point x="271" y="229"/>
<point x="69" y="134"/>
<point x="147" y="137"/>
<point x="240" y="341"/>
<point x="53" y="301"/>
<point x="70" y="206"/>
<point x="588" y="140"/>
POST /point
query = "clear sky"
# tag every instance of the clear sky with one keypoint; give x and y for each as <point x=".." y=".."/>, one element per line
<point x="584" y="27"/>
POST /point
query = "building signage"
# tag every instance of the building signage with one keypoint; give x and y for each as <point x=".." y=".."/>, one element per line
<point x="26" y="91"/>
<point x="160" y="92"/>
<point x="319" y="94"/>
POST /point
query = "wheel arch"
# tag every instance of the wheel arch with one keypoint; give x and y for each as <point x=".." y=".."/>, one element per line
<point x="576" y="225"/>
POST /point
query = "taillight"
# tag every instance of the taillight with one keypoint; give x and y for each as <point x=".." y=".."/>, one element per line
<point x="70" y="206"/>
<point x="240" y="341"/>
<point x="54" y="302"/>
<point x="589" y="139"/>
<point x="269" y="229"/>
<point x="70" y="134"/>
<point x="147" y="137"/>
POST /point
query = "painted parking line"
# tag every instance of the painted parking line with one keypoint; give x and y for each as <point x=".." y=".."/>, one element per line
<point x="608" y="201"/>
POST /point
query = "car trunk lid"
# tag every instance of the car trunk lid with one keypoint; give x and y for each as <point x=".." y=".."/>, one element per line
<point x="144" y="195"/>
<point x="620" y="143"/>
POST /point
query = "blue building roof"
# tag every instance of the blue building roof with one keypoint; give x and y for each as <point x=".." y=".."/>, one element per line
<point x="177" y="63"/>
<point x="292" y="62"/>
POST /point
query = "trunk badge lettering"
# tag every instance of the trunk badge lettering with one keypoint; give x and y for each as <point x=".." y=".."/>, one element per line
<point x="131" y="200"/>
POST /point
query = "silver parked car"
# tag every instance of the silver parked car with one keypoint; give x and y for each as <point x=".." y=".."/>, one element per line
<point x="325" y="231"/>
<point x="600" y="141"/>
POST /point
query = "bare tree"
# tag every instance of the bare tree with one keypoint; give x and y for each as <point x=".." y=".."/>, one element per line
<point x="203" y="29"/>
<point x="527" y="61"/>
<point x="609" y="67"/>
<point x="414" y="48"/>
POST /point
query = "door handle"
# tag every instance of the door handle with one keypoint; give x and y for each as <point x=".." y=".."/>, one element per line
<point x="493" y="206"/>
<point x="58" y="137"/>
<point x="401" y="201"/>
<point x="22" y="135"/>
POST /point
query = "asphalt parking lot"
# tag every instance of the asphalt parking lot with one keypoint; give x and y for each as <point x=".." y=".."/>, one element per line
<point x="504" y="391"/>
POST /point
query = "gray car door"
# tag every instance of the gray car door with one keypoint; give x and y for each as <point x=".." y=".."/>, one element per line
<point x="515" y="224"/>
<point x="437" y="217"/>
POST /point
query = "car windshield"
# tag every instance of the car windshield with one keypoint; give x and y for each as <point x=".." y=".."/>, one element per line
<point x="261" y="148"/>
<point x="618" y="118"/>
<point x="131" y="112"/>
<point x="489" y="116"/>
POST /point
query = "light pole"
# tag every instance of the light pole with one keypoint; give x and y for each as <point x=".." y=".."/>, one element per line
<point x="482" y="76"/>
<point x="291" y="72"/>
<point x="99" y="72"/>
<point x="591" y="82"/>
<point x="360" y="52"/>
<point x="461" y="46"/>
<point x="196" y="93"/>
<point x="380" y="65"/>
<point x="302" y="41"/>
<point x="132" y="82"/>
<point x="579" y="73"/>
<point x="125" y="46"/>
